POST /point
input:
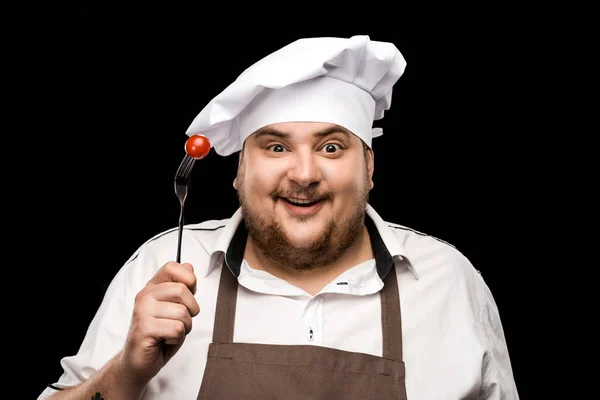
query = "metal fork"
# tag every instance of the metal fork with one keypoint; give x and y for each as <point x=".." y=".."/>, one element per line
<point x="182" y="179"/>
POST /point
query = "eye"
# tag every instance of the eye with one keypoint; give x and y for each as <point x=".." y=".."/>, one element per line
<point x="331" y="147"/>
<point x="277" y="148"/>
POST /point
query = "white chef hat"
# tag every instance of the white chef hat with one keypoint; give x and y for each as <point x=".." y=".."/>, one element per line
<point x="347" y="82"/>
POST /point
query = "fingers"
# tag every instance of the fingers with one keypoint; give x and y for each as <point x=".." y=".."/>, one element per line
<point x="174" y="272"/>
<point x="165" y="306"/>
<point x="162" y="313"/>
<point x="173" y="311"/>
<point x="172" y="331"/>
<point x="177" y="294"/>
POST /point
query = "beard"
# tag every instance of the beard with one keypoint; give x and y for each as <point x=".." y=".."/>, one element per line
<point x="270" y="239"/>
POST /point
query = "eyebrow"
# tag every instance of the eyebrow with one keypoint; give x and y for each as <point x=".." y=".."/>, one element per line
<point x="269" y="131"/>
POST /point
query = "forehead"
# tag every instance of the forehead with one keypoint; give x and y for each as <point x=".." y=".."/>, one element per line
<point x="301" y="131"/>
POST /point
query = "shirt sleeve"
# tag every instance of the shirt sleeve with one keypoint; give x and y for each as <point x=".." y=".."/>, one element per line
<point x="497" y="375"/>
<point x="108" y="329"/>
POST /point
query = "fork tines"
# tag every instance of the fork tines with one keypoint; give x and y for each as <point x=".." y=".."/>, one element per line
<point x="183" y="172"/>
<point x="182" y="177"/>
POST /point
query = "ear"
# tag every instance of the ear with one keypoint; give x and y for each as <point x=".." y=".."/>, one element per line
<point x="370" y="161"/>
<point x="240" y="157"/>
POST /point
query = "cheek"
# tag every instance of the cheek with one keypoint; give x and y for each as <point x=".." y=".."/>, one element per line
<point x="263" y="178"/>
<point x="342" y="178"/>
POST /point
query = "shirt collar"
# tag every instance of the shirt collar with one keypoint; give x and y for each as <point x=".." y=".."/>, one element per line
<point x="225" y="241"/>
<point x="389" y="238"/>
<point x="231" y="244"/>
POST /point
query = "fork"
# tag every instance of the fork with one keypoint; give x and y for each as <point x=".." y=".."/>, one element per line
<point x="182" y="179"/>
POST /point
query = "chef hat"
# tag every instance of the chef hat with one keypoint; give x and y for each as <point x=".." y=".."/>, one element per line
<point x="347" y="82"/>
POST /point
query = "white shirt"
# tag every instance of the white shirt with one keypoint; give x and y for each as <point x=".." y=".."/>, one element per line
<point x="454" y="345"/>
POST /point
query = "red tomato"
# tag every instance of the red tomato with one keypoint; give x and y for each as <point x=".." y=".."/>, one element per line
<point x="197" y="146"/>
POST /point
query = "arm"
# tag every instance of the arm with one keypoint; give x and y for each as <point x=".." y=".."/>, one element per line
<point x="108" y="383"/>
<point x="160" y="320"/>
<point x="497" y="375"/>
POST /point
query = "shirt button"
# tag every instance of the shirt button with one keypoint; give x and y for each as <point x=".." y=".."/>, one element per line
<point x="311" y="335"/>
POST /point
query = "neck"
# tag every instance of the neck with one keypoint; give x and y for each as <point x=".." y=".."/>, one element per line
<point x="314" y="280"/>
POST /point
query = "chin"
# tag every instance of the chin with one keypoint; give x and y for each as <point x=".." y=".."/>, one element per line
<point x="303" y="238"/>
<point x="302" y="243"/>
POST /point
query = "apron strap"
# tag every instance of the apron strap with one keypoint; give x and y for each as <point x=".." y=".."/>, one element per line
<point x="226" y="305"/>
<point x="391" y="320"/>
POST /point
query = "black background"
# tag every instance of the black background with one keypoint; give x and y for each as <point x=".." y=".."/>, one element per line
<point x="108" y="105"/>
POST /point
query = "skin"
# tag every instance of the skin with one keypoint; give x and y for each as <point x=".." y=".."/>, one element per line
<point x="162" y="317"/>
<point x="306" y="246"/>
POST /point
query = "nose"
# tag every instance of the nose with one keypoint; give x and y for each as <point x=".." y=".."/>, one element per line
<point x="304" y="169"/>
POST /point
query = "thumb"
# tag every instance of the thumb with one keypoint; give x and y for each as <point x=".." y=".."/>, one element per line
<point x="188" y="266"/>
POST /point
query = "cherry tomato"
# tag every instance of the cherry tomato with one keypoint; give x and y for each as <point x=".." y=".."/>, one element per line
<point x="197" y="146"/>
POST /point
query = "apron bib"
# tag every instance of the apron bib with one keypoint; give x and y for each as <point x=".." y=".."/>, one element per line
<point x="263" y="371"/>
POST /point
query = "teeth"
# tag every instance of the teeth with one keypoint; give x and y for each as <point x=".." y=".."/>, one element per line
<point x="300" y="201"/>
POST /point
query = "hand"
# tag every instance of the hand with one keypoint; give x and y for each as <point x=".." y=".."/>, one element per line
<point x="162" y="317"/>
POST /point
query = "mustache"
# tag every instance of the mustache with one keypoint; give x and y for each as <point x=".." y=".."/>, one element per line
<point x="301" y="192"/>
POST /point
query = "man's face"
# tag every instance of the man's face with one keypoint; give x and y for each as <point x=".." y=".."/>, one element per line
<point x="303" y="189"/>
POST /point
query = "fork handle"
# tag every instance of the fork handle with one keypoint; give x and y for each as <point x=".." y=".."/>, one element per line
<point x="179" y="235"/>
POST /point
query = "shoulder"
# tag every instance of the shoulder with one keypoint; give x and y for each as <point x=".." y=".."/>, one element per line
<point x="197" y="244"/>
<point x="204" y="233"/>
<point x="410" y="237"/>
<point x="426" y="249"/>
<point x="440" y="263"/>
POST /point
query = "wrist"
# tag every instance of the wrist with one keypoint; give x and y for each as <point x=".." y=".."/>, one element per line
<point x="132" y="383"/>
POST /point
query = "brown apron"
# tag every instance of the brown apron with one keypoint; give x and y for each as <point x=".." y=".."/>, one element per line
<point x="264" y="371"/>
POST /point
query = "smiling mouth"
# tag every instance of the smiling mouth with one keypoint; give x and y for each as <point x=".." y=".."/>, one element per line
<point x="301" y="202"/>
